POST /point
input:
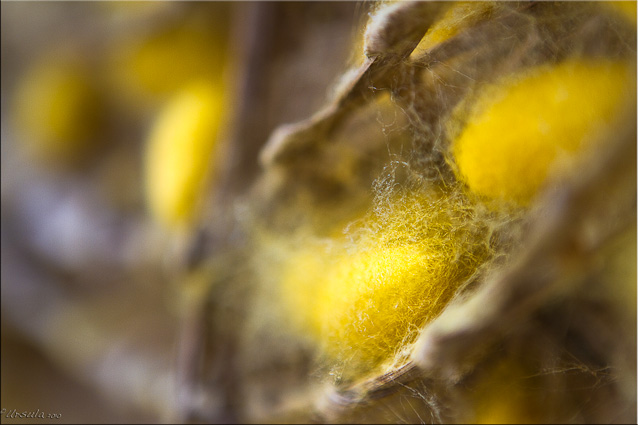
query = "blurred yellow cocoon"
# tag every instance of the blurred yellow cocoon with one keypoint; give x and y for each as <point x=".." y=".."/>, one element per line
<point x="57" y="110"/>
<point x="179" y="152"/>
<point x="147" y="70"/>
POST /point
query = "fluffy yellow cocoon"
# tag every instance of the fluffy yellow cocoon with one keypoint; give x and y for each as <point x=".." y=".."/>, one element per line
<point x="363" y="300"/>
<point x="178" y="153"/>
<point x="56" y="109"/>
<point x="530" y="125"/>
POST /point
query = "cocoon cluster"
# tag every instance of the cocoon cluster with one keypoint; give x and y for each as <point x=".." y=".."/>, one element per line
<point x="532" y="125"/>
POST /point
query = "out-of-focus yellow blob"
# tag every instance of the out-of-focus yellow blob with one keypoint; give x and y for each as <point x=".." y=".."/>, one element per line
<point x="507" y="396"/>
<point x="531" y="125"/>
<point x="460" y="15"/>
<point x="57" y="111"/>
<point x="625" y="8"/>
<point x="363" y="301"/>
<point x="148" y="70"/>
<point x="179" y="151"/>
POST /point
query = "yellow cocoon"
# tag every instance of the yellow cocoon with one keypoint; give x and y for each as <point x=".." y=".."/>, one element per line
<point x="56" y="110"/>
<point x="178" y="153"/>
<point x="149" y="70"/>
<point x="362" y="301"/>
<point x="530" y="125"/>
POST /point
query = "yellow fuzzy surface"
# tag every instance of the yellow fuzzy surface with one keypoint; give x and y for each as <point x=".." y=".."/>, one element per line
<point x="56" y="110"/>
<point x="362" y="299"/>
<point x="531" y="125"/>
<point x="178" y="153"/>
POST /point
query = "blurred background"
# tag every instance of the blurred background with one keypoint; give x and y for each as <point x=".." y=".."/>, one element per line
<point x="92" y="241"/>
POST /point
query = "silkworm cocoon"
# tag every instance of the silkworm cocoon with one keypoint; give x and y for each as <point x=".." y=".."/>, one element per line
<point x="527" y="126"/>
<point x="149" y="70"/>
<point x="57" y="111"/>
<point x="178" y="153"/>
<point x="363" y="301"/>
